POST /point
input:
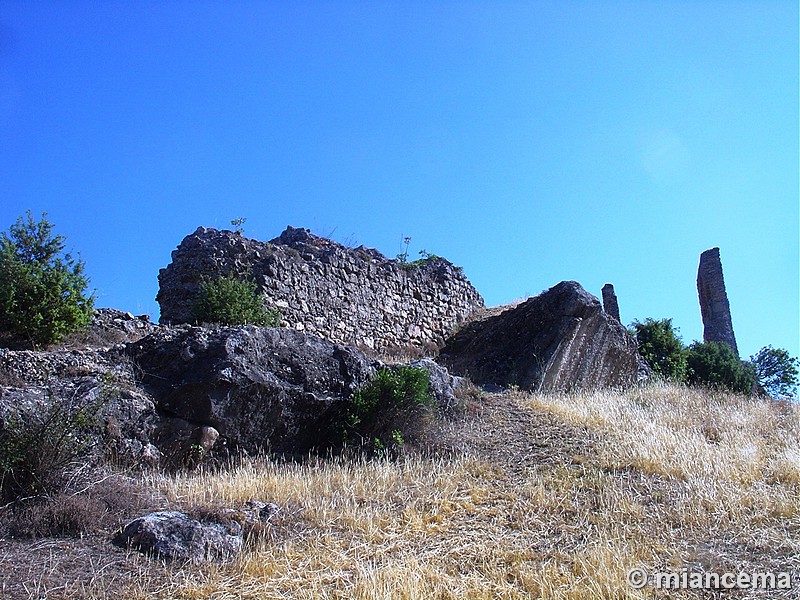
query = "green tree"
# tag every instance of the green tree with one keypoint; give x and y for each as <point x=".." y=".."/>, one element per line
<point x="661" y="347"/>
<point x="231" y="301"/>
<point x="716" y="365"/>
<point x="42" y="289"/>
<point x="776" y="371"/>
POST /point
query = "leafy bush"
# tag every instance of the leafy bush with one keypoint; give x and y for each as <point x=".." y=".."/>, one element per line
<point x="231" y="301"/>
<point x="776" y="371"/>
<point x="380" y="414"/>
<point x="661" y="347"/>
<point x="42" y="289"/>
<point x="715" y="364"/>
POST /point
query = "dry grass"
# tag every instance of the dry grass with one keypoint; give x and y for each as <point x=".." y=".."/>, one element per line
<point x="663" y="477"/>
<point x="533" y="496"/>
<point x="737" y="458"/>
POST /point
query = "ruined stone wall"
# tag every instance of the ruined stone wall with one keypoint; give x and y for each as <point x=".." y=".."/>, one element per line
<point x="714" y="306"/>
<point x="351" y="296"/>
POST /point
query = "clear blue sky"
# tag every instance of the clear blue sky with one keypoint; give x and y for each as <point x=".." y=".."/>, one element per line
<point x="529" y="142"/>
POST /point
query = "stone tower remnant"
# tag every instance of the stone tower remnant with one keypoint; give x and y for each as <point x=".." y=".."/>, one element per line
<point x="610" y="304"/>
<point x="714" y="306"/>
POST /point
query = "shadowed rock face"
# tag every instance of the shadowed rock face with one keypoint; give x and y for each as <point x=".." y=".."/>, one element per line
<point x="557" y="341"/>
<point x="610" y="304"/>
<point x="259" y="388"/>
<point x="714" y="306"/>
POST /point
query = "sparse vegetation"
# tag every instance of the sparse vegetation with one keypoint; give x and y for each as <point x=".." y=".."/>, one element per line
<point x="555" y="496"/>
<point x="228" y="300"/>
<point x="38" y="446"/>
<point x="537" y="496"/>
<point x="43" y="444"/>
<point x="42" y="289"/>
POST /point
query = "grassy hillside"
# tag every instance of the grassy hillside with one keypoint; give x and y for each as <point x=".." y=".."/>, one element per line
<point x="529" y="496"/>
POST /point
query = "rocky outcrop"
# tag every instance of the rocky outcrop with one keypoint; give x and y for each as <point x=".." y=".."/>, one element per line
<point x="557" y="341"/>
<point x="183" y="393"/>
<point x="610" y="304"/>
<point x="110" y="326"/>
<point x="38" y="388"/>
<point x="258" y="388"/>
<point x="714" y="306"/>
<point x="350" y="296"/>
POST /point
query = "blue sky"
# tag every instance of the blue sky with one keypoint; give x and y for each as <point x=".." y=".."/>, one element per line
<point x="529" y="142"/>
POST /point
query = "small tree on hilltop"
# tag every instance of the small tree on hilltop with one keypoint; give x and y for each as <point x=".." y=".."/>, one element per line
<point x="776" y="371"/>
<point x="715" y="364"/>
<point x="661" y="347"/>
<point x="42" y="289"/>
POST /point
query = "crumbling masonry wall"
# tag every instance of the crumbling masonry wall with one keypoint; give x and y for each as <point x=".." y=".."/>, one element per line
<point x="351" y="296"/>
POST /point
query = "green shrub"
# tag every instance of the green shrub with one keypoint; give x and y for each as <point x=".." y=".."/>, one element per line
<point x="716" y="365"/>
<point x="776" y="371"/>
<point x="231" y="301"/>
<point x="382" y="412"/>
<point x="42" y="289"/>
<point x="661" y="347"/>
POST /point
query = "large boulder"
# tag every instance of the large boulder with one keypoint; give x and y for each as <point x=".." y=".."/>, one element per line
<point x="443" y="384"/>
<point x="560" y="340"/>
<point x="260" y="389"/>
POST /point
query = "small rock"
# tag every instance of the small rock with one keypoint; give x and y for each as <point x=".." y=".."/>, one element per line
<point x="173" y="535"/>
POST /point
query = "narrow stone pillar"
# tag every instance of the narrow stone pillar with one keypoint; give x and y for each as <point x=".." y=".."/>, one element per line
<point x="714" y="305"/>
<point x="610" y="301"/>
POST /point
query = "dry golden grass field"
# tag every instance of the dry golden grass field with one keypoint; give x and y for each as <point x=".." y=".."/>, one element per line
<point x="528" y="496"/>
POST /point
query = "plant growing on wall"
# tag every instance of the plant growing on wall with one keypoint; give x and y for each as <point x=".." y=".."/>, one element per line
<point x="228" y="300"/>
<point x="402" y="258"/>
<point x="238" y="223"/>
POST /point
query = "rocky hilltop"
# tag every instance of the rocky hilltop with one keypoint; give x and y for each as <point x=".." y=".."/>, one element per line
<point x="173" y="388"/>
<point x="349" y="296"/>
